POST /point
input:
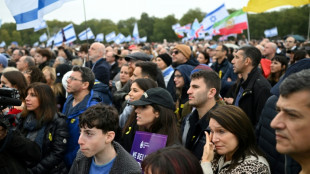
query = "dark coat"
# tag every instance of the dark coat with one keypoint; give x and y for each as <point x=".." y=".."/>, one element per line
<point x="124" y="163"/>
<point x="101" y="70"/>
<point x="255" y="94"/>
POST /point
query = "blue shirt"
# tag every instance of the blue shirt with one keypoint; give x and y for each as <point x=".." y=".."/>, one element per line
<point x="100" y="169"/>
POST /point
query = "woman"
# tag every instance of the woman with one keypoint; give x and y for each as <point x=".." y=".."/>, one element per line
<point x="138" y="87"/>
<point x="41" y="123"/>
<point x="50" y="75"/>
<point x="278" y="67"/>
<point x="34" y="74"/>
<point x="203" y="58"/>
<point x="171" y="160"/>
<point x="125" y="74"/>
<point x="164" y="62"/>
<point x="153" y="113"/>
<point x="232" y="137"/>
<point x="16" y="80"/>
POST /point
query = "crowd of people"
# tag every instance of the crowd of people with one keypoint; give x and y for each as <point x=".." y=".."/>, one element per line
<point x="225" y="107"/>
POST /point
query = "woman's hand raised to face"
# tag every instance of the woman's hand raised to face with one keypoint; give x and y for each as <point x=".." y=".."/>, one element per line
<point x="208" y="150"/>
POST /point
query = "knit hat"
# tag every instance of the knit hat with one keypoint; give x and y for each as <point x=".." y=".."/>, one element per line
<point x="184" y="49"/>
<point x="61" y="70"/>
<point x="201" y="67"/>
<point x="138" y="56"/>
<point x="3" y="61"/>
<point x="158" y="96"/>
<point x="166" y="58"/>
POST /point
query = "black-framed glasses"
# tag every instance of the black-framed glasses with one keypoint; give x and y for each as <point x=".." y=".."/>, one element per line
<point x="73" y="78"/>
<point x="175" y="52"/>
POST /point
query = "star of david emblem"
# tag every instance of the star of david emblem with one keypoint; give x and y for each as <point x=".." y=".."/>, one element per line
<point x="213" y="19"/>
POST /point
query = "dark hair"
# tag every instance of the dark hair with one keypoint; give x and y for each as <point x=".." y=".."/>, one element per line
<point x="235" y="120"/>
<point x="284" y="62"/>
<point x="206" y="56"/>
<point x="298" y="55"/>
<point x="16" y="78"/>
<point x="253" y="53"/>
<point x="225" y="48"/>
<point x="100" y="116"/>
<point x="211" y="79"/>
<point x="86" y="74"/>
<point x="44" y="53"/>
<point x="148" y="69"/>
<point x="296" y="82"/>
<point x="47" y="102"/>
<point x="20" y="53"/>
<point x="36" y="75"/>
<point x="29" y="60"/>
<point x="172" y="160"/>
<point x="84" y="47"/>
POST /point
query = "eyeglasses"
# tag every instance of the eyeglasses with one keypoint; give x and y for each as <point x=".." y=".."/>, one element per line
<point x="175" y="52"/>
<point x="26" y="72"/>
<point x="178" y="76"/>
<point x="73" y="78"/>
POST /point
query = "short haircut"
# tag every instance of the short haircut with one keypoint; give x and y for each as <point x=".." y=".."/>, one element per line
<point x="148" y="69"/>
<point x="86" y="74"/>
<point x="45" y="53"/>
<point x="296" y="82"/>
<point x="211" y="79"/>
<point x="29" y="60"/>
<point x="20" y="53"/>
<point x="253" y="53"/>
<point x="84" y="48"/>
<point x="100" y="116"/>
<point x="225" y="48"/>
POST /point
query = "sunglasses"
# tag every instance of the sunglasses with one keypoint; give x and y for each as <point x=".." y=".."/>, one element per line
<point x="175" y="52"/>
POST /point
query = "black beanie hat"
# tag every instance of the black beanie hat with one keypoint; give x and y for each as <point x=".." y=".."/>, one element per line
<point x="166" y="58"/>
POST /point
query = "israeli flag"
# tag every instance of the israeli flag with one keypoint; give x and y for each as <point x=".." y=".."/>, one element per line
<point x="58" y="39"/>
<point x="271" y="32"/>
<point x="86" y="34"/>
<point x="67" y="35"/>
<point x="43" y="37"/>
<point x="2" y="44"/>
<point x="41" y="26"/>
<point x="50" y="41"/>
<point x="99" y="37"/>
<point x="135" y="33"/>
<point x="110" y="37"/>
<point x="127" y="39"/>
<point x="214" y="16"/>
<point x="143" y="39"/>
<point x="36" y="44"/>
<point x="119" y="38"/>
<point x="175" y="26"/>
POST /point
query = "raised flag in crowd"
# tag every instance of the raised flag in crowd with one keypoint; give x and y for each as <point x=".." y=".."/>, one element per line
<point x="29" y="14"/>
<point x="36" y="44"/>
<point x="110" y="37"/>
<point x="135" y="33"/>
<point x="213" y="17"/>
<point x="143" y="39"/>
<point x="43" y="37"/>
<point x="86" y="34"/>
<point x="232" y="24"/>
<point x="271" y="32"/>
<point x="50" y="41"/>
<point x="128" y="38"/>
<point x="175" y="26"/>
<point x="99" y="37"/>
<point x="67" y="35"/>
<point x="41" y="26"/>
<point x="119" y="38"/>
<point x="2" y="44"/>
<point x="259" y="6"/>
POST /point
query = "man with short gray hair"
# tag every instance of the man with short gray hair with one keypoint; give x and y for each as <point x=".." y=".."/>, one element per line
<point x="24" y="63"/>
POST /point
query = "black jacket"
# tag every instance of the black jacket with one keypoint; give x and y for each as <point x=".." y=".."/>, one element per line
<point x="255" y="94"/>
<point x="101" y="70"/>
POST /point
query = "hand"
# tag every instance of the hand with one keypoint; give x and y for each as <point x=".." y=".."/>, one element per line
<point x="208" y="150"/>
<point x="229" y="101"/>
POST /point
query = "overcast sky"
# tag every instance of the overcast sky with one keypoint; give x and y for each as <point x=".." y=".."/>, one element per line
<point x="123" y="9"/>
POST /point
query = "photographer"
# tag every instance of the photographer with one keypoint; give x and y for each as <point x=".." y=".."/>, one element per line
<point x="16" y="152"/>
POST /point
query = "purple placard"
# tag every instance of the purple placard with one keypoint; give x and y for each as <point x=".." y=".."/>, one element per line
<point x="146" y="143"/>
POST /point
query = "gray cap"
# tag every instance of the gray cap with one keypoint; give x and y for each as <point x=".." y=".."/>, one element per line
<point x="3" y="61"/>
<point x="138" y="56"/>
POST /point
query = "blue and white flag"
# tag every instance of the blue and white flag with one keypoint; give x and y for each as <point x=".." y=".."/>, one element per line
<point x="99" y="37"/>
<point x="271" y="32"/>
<point x="43" y="37"/>
<point x="143" y="39"/>
<point x="41" y="26"/>
<point x="110" y="37"/>
<point x="185" y="39"/>
<point x="36" y="44"/>
<point x="175" y="26"/>
<point x="128" y="38"/>
<point x="29" y="14"/>
<point x="135" y="33"/>
<point x="67" y="35"/>
<point x="119" y="38"/>
<point x="209" y="37"/>
<point x="214" y="16"/>
<point x="86" y="34"/>
<point x="50" y="41"/>
<point x="2" y="44"/>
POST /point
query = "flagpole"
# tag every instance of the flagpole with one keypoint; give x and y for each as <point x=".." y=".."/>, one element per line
<point x="248" y="28"/>
<point x="85" y="21"/>
<point x="309" y="23"/>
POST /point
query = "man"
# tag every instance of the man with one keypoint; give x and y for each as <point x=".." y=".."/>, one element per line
<point x="42" y="58"/>
<point x="81" y="96"/>
<point x="270" y="50"/>
<point x="291" y="124"/>
<point x="100" y="67"/>
<point x="145" y="70"/>
<point x="98" y="152"/>
<point x="16" y="55"/>
<point x="290" y="43"/>
<point x="202" y="94"/>
<point x="111" y="59"/>
<point x="181" y="54"/>
<point x="253" y="89"/>
<point x="24" y="63"/>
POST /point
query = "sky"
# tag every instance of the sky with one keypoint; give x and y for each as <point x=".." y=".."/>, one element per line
<point x="116" y="10"/>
